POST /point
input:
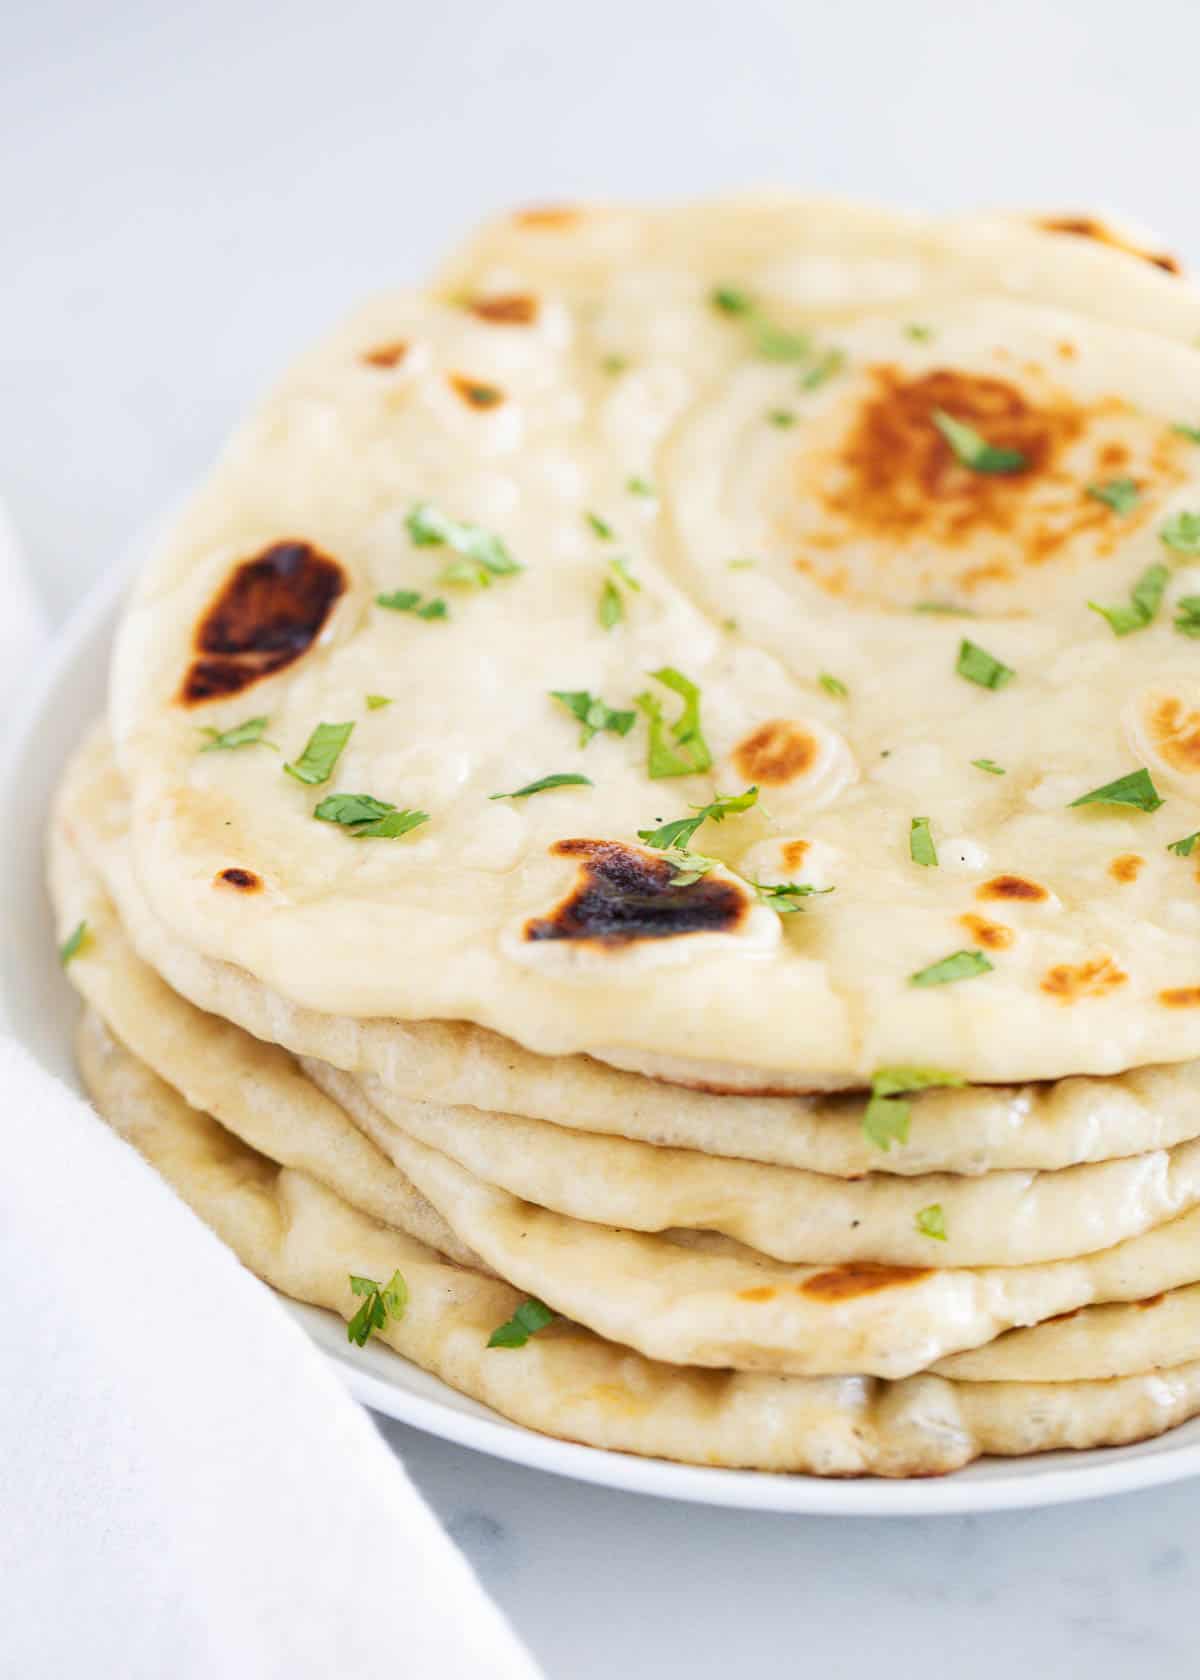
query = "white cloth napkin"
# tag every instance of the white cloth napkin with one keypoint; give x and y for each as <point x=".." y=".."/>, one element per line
<point x="186" y="1490"/>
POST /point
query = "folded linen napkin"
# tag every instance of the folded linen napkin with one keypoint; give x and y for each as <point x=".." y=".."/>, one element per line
<point x="186" y="1489"/>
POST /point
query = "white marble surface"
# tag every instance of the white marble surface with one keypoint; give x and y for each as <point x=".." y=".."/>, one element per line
<point x="187" y="192"/>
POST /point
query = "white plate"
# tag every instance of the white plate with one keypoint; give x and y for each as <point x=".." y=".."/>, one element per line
<point x="39" y="1006"/>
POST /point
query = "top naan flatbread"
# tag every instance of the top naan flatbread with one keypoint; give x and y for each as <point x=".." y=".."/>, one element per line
<point x="782" y="487"/>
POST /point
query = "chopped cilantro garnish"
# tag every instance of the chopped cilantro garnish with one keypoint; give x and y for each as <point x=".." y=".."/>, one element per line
<point x="611" y="609"/>
<point x="1191" y="433"/>
<point x="73" y="943"/>
<point x="484" y="554"/>
<point x="640" y="487"/>
<point x="248" y="734"/>
<point x="381" y="1302"/>
<point x="410" y="600"/>
<point x="1135" y="789"/>
<point x="1145" y="600"/>
<point x="1183" y="848"/>
<point x="782" y="417"/>
<point x="376" y="702"/>
<point x="918" y="332"/>
<point x="990" y="765"/>
<point x="545" y="783"/>
<point x="931" y="1221"/>
<point x="741" y="565"/>
<point x="1182" y="533"/>
<point x="600" y="526"/>
<point x="368" y="818"/>
<point x="921" y="848"/>
<point x="972" y="450"/>
<point x="690" y="754"/>
<point x="786" y="897"/>
<point x="1120" y="494"/>
<point x="886" y="1116"/>
<point x="979" y="666"/>
<point x="825" y="366"/>
<point x="530" y="1317"/>
<point x="730" y="301"/>
<point x="946" y="607"/>
<point x="593" y="714"/>
<point x="689" y="867"/>
<point x="833" y="685"/>
<point x="777" y="344"/>
<point x="1187" y="615"/>
<point x="321" y="753"/>
<point x="614" y="362"/>
<point x="674" y="836"/>
<point x="961" y="965"/>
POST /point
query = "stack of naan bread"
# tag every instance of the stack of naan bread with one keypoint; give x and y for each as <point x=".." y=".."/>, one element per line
<point x="653" y="794"/>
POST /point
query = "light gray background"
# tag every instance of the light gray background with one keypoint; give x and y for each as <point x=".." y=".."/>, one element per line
<point x="188" y="192"/>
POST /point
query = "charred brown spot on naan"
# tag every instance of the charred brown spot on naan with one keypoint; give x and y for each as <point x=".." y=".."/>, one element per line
<point x="506" y="309"/>
<point x="1127" y="867"/>
<point x="1151" y="1301"/>
<point x="245" y="880"/>
<point x="795" y="852"/>
<point x="776" y="753"/>
<point x="476" y="393"/>
<point x="547" y="216"/>
<point x="764" y="1292"/>
<point x="1091" y="227"/>
<point x="993" y="936"/>
<point x="269" y="612"/>
<point x="1175" y="732"/>
<point x="844" y="1283"/>
<point x="1180" y="997"/>
<point x="886" y="512"/>
<point x="623" y="895"/>
<point x="1070" y="982"/>
<point x="1013" y="889"/>
<point x="386" y="355"/>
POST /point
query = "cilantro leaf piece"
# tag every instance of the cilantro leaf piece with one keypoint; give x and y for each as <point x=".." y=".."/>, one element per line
<point x="990" y="765"/>
<point x="921" y="848"/>
<point x="1135" y="789"/>
<point x="972" y="450"/>
<point x="979" y="666"/>
<point x="410" y="600"/>
<point x="1145" y="600"/>
<point x="931" y="1221"/>
<point x="918" y="332"/>
<point x="946" y="607"/>
<point x="786" y="897"/>
<point x="379" y="1303"/>
<point x="74" y="943"/>
<point x="961" y="965"/>
<point x="611" y="608"/>
<point x="321" y="753"/>
<point x="530" y="1317"/>
<point x="690" y="754"/>
<point x="777" y="344"/>
<point x="1182" y="533"/>
<point x="825" y="366"/>
<point x="741" y="565"/>
<point x="674" y="836"/>
<point x="782" y="417"/>
<point x="1183" y="848"/>
<point x="1191" y="433"/>
<point x="1187" y="615"/>
<point x="484" y="555"/>
<point x="833" y="685"/>
<point x="600" y="526"/>
<point x="640" y="487"/>
<point x="621" y="570"/>
<point x="886" y="1116"/>
<point x="568" y="779"/>
<point x="731" y="301"/>
<point x="1122" y="495"/>
<point x="376" y="702"/>
<point x="593" y="714"/>
<point x="248" y="734"/>
<point x="614" y="362"/>
<point x="368" y="818"/>
<point x="689" y="867"/>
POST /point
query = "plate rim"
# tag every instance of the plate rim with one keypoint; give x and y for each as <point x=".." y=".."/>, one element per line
<point x="1048" y="1479"/>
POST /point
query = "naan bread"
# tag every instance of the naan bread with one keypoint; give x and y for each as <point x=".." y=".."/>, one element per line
<point x="301" y="1238"/>
<point x="1039" y="1127"/>
<point x="544" y="918"/>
